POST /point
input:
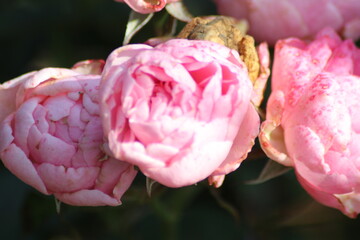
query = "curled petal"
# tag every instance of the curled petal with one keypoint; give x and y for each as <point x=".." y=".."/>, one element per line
<point x="243" y="142"/>
<point x="8" y="92"/>
<point x="89" y="67"/>
<point x="260" y="82"/>
<point x="18" y="163"/>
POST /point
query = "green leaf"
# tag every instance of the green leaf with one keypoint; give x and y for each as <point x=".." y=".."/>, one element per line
<point x="225" y="204"/>
<point x="271" y="170"/>
<point x="135" y="23"/>
<point x="179" y="11"/>
<point x="166" y="26"/>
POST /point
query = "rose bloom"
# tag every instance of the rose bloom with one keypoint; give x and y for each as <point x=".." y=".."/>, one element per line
<point x="312" y="121"/>
<point x="147" y="6"/>
<point x="180" y="111"/>
<point x="271" y="20"/>
<point x="52" y="139"/>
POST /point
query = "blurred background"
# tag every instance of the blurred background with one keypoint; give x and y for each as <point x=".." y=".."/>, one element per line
<point x="51" y="33"/>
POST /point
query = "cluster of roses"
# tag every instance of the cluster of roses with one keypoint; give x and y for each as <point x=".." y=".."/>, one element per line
<point x="183" y="111"/>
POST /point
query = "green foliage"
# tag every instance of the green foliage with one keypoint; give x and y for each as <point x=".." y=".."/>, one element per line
<point x="135" y="23"/>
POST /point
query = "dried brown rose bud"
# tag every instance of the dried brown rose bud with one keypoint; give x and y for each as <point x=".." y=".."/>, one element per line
<point x="249" y="56"/>
<point x="228" y="32"/>
<point x="216" y="29"/>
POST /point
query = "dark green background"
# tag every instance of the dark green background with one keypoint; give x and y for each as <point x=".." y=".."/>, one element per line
<point x="43" y="33"/>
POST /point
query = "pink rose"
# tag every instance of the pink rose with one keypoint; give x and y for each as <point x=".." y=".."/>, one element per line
<point x="273" y="20"/>
<point x="53" y="138"/>
<point x="147" y="6"/>
<point x="313" y="116"/>
<point x="180" y="111"/>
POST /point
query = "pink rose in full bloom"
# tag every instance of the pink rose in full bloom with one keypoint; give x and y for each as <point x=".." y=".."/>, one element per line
<point x="52" y="136"/>
<point x="312" y="121"/>
<point x="180" y="111"/>
<point x="147" y="6"/>
<point x="271" y="20"/>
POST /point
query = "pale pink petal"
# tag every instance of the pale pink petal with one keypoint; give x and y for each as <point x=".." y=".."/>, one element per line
<point x="55" y="151"/>
<point x="125" y="181"/>
<point x="89" y="67"/>
<point x="112" y="173"/>
<point x="351" y="203"/>
<point x="190" y="166"/>
<point x="18" y="163"/>
<point x="260" y="83"/>
<point x="286" y="21"/>
<point x="55" y="86"/>
<point x="58" y="107"/>
<point x="6" y="132"/>
<point x="8" y="91"/>
<point x="272" y="20"/>
<point x="325" y="198"/>
<point x="86" y="197"/>
<point x="24" y="120"/>
<point x="61" y="179"/>
<point x="243" y="142"/>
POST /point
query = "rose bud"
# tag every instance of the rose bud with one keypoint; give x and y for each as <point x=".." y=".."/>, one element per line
<point x="271" y="20"/>
<point x="53" y="138"/>
<point x="180" y="111"/>
<point x="147" y="6"/>
<point x="311" y="120"/>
